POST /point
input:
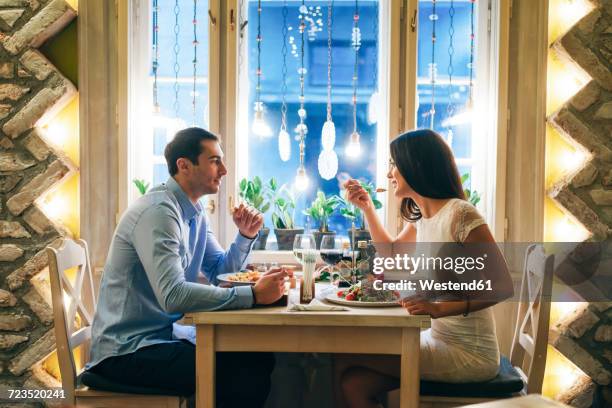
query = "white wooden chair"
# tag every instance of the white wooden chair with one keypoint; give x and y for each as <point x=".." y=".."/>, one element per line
<point x="530" y="341"/>
<point x="74" y="306"/>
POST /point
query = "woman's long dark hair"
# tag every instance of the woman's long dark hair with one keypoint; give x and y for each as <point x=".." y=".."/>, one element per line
<point x="427" y="164"/>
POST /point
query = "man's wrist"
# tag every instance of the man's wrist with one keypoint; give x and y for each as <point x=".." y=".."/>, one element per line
<point x="247" y="237"/>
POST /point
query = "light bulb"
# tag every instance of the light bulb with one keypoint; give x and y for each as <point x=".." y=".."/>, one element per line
<point x="328" y="135"/>
<point x="353" y="148"/>
<point x="373" y="108"/>
<point x="259" y="126"/>
<point x="301" y="179"/>
<point x="284" y="145"/>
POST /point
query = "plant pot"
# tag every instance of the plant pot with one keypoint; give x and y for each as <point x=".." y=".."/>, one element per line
<point x="260" y="244"/>
<point x="360" y="235"/>
<point x="285" y="237"/>
<point x="318" y="236"/>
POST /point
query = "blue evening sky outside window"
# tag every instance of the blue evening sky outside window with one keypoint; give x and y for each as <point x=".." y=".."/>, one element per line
<point x="268" y="163"/>
<point x="264" y="157"/>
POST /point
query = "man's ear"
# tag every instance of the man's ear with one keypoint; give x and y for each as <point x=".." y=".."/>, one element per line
<point x="182" y="164"/>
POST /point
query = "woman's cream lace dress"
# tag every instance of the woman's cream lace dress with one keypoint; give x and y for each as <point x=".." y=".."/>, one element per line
<point x="457" y="348"/>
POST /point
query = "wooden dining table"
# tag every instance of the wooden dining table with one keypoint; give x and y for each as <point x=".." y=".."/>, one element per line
<point x="389" y="330"/>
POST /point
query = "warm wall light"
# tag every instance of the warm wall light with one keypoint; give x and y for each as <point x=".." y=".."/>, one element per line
<point x="561" y="227"/>
<point x="563" y="14"/>
<point x="560" y="310"/>
<point x="559" y="374"/>
<point x="563" y="80"/>
<point x="563" y="157"/>
<point x="62" y="204"/>
<point x="62" y="131"/>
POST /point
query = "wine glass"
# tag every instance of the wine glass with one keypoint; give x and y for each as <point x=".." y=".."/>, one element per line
<point x="331" y="252"/>
<point x="303" y="242"/>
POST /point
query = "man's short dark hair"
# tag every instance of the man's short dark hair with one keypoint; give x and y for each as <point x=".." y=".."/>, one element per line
<point x="187" y="144"/>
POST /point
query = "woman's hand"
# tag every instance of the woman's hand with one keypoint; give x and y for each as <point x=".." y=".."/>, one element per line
<point x="417" y="305"/>
<point x="357" y="195"/>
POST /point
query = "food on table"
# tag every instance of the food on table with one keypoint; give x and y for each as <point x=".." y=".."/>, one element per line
<point x="247" y="276"/>
<point x="364" y="292"/>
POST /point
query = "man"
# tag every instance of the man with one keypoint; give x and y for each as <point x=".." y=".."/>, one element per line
<point x="159" y="247"/>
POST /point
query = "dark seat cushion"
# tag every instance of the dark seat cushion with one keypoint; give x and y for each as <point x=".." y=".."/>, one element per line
<point x="97" y="382"/>
<point x="507" y="382"/>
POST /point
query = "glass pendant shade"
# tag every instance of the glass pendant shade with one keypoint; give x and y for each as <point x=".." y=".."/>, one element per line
<point x="328" y="135"/>
<point x="284" y="145"/>
<point x="301" y="179"/>
<point x="328" y="164"/>
<point x="353" y="149"/>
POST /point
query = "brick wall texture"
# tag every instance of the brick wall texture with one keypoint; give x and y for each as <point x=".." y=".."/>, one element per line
<point x="31" y="90"/>
<point x="586" y="119"/>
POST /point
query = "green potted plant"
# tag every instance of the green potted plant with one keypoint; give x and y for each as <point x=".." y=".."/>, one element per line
<point x="283" y="214"/>
<point x="257" y="195"/>
<point x="358" y="231"/>
<point x="320" y="210"/>
<point x="141" y="185"/>
<point x="472" y="196"/>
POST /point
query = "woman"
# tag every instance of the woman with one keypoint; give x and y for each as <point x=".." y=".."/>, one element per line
<point x="461" y="345"/>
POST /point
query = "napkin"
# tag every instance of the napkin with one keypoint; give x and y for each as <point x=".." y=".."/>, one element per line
<point x="315" y="305"/>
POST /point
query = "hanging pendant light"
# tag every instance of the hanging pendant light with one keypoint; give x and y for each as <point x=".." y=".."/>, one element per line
<point x="328" y="159"/>
<point x="259" y="126"/>
<point x="301" y="178"/>
<point x="466" y="114"/>
<point x="328" y="164"/>
<point x="284" y="141"/>
<point x="353" y="148"/>
<point x="328" y="135"/>
<point x="374" y="102"/>
<point x="284" y="145"/>
<point x="432" y="66"/>
<point x="194" y="92"/>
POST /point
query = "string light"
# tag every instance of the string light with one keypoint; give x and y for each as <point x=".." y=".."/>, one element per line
<point x="301" y="179"/>
<point x="195" y="58"/>
<point x="432" y="67"/>
<point x="259" y="126"/>
<point x="328" y="159"/>
<point x="155" y="54"/>
<point x="353" y="148"/>
<point x="466" y="114"/>
<point x="450" y="108"/>
<point x="177" y="49"/>
<point x="284" y="142"/>
<point x="374" y="102"/>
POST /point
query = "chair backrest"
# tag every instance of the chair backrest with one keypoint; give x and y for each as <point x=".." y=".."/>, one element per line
<point x="530" y="342"/>
<point x="74" y="303"/>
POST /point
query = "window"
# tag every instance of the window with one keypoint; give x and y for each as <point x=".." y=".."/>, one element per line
<point x="446" y="70"/>
<point x="182" y="85"/>
<point x="276" y="15"/>
<point x="384" y="68"/>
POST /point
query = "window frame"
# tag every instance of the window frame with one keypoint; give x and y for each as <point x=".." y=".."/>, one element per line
<point x="400" y="68"/>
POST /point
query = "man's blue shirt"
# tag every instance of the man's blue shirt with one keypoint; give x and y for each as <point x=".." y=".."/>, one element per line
<point x="160" y="246"/>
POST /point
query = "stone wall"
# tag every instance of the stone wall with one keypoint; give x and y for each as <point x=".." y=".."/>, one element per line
<point x="585" y="336"/>
<point x="31" y="90"/>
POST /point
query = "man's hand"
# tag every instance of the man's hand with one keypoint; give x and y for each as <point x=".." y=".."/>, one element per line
<point x="248" y="220"/>
<point x="270" y="287"/>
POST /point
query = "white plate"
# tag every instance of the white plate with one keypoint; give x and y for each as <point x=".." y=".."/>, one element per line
<point x="223" y="278"/>
<point x="332" y="297"/>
